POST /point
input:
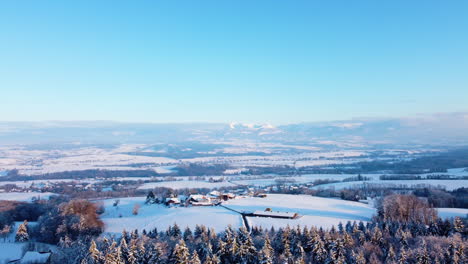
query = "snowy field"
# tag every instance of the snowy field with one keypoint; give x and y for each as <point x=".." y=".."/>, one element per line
<point x="452" y="212"/>
<point x="161" y="217"/>
<point x="24" y="197"/>
<point x="449" y="185"/>
<point x="34" y="161"/>
<point x="458" y="172"/>
<point x="10" y="251"/>
<point x="86" y="158"/>
<point x="315" y="211"/>
<point x="307" y="178"/>
<point x="185" y="184"/>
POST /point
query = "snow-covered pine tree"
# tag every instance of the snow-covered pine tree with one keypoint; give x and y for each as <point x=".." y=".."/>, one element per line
<point x="377" y="237"/>
<point x="458" y="225"/>
<point x="106" y="244"/>
<point x="359" y="257"/>
<point x="22" y="232"/>
<point x="180" y="254"/>
<point x="194" y="259"/>
<point x="154" y="255"/>
<point x="124" y="249"/>
<point x="141" y="252"/>
<point x="247" y="253"/>
<point x="403" y="257"/>
<point x="287" y="256"/>
<point x="423" y="256"/>
<point x="391" y="255"/>
<point x="132" y="252"/>
<point x="348" y="241"/>
<point x="134" y="234"/>
<point x="204" y="250"/>
<point x="188" y="234"/>
<point x="299" y="254"/>
<point x="113" y="255"/>
<point x="95" y="257"/>
<point x="361" y="238"/>
<point x="175" y="231"/>
<point x="125" y="235"/>
<point x="319" y="251"/>
<point x="266" y="254"/>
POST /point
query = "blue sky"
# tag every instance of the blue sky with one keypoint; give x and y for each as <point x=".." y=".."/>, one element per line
<point x="221" y="61"/>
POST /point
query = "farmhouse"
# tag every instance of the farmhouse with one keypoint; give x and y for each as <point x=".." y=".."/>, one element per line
<point x="227" y="196"/>
<point x="214" y="194"/>
<point x="199" y="200"/>
<point x="172" y="201"/>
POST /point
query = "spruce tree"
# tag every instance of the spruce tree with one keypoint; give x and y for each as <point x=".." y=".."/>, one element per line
<point x="132" y="252"/>
<point x="458" y="225"/>
<point x="95" y="256"/>
<point x="154" y="255"/>
<point x="403" y="257"/>
<point x="113" y="255"/>
<point x="180" y="254"/>
<point x="423" y="256"/>
<point x="319" y="251"/>
<point x="391" y="255"/>
<point x="124" y="250"/>
<point x="22" y="232"/>
<point x="187" y="234"/>
<point x="359" y="257"/>
<point x="266" y="254"/>
<point x="194" y="259"/>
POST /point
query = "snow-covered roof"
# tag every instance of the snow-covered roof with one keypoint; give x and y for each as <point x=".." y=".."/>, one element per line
<point x="275" y="214"/>
<point x="199" y="197"/>
<point x="214" y="193"/>
<point x="35" y="257"/>
<point x="174" y="200"/>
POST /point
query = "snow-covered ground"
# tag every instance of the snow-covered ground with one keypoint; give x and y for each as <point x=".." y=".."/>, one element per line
<point x="10" y="251"/>
<point x="458" y="172"/>
<point x="85" y="158"/>
<point x="298" y="160"/>
<point x="307" y="178"/>
<point x="315" y="211"/>
<point x="158" y="216"/>
<point x="452" y="212"/>
<point x="24" y="197"/>
<point x="33" y="161"/>
<point x="447" y="184"/>
<point x="185" y="184"/>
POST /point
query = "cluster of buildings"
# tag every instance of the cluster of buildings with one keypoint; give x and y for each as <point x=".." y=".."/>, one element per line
<point x="209" y="199"/>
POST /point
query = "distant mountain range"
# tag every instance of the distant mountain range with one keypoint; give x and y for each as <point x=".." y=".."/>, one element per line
<point x="437" y="129"/>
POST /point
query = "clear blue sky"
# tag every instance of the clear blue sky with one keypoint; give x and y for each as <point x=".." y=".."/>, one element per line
<point x="221" y="61"/>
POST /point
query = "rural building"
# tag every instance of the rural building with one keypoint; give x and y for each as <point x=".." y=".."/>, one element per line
<point x="283" y="215"/>
<point x="172" y="201"/>
<point x="199" y="200"/>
